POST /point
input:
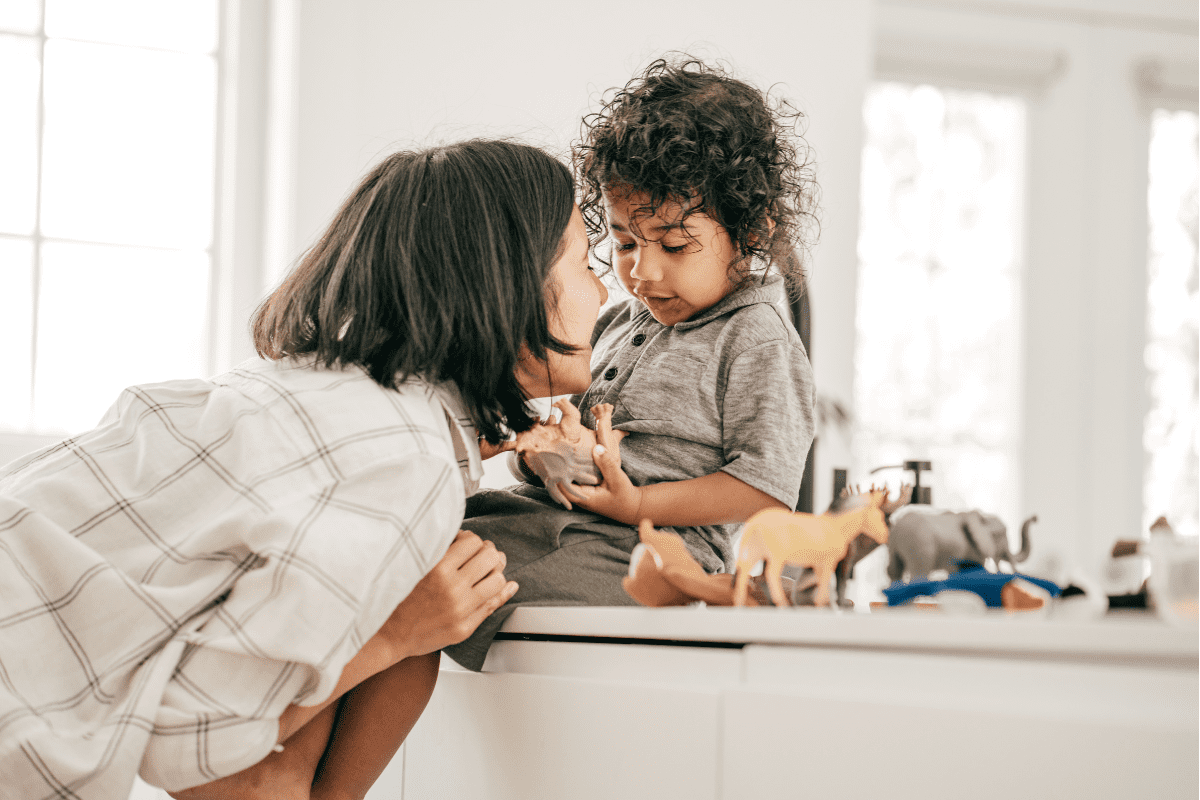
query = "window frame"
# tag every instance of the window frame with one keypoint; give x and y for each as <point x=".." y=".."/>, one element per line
<point x="1090" y="79"/>
<point x="248" y="65"/>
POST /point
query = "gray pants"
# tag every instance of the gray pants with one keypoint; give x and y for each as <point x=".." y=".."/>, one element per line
<point x="559" y="558"/>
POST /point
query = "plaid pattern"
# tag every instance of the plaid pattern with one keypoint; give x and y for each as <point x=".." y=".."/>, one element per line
<point x="213" y="552"/>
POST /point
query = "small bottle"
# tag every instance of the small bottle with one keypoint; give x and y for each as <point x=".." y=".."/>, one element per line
<point x="839" y="483"/>
<point x="921" y="495"/>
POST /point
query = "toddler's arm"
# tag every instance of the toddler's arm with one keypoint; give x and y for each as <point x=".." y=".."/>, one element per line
<point x="714" y="499"/>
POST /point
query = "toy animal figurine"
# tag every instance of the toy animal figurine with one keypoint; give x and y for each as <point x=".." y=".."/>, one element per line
<point x="782" y="537"/>
<point x="998" y="590"/>
<point x="863" y="545"/>
<point x="663" y="573"/>
<point x="560" y="453"/>
<point x="921" y="542"/>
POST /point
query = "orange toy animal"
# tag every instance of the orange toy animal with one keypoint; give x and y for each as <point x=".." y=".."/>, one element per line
<point x="781" y="537"/>
<point x="663" y="573"/>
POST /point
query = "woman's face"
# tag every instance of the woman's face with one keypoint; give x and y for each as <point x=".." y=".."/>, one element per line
<point x="580" y="295"/>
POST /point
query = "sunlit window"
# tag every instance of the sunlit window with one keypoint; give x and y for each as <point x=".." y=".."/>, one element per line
<point x="1172" y="475"/>
<point x="938" y="312"/>
<point x="107" y="165"/>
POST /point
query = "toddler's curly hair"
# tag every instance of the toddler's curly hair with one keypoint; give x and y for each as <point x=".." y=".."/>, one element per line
<point x="685" y="131"/>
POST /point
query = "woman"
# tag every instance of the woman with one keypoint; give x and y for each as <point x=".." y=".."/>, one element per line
<point x="272" y="557"/>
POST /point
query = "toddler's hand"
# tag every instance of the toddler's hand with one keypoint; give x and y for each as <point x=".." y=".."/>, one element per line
<point x="616" y="497"/>
<point x="449" y="603"/>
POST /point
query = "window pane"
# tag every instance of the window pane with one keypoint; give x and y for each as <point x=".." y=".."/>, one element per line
<point x="18" y="133"/>
<point x="129" y="145"/>
<point x="184" y="25"/>
<point x="20" y="16"/>
<point x="938" y="304"/>
<point x="1172" y="350"/>
<point x="16" y="331"/>
<point x="110" y="317"/>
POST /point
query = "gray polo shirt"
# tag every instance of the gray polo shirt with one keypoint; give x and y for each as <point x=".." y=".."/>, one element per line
<point x="730" y="390"/>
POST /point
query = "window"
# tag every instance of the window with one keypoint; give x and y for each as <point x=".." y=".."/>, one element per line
<point x="1172" y="355"/>
<point x="107" y="175"/>
<point x="938" y="318"/>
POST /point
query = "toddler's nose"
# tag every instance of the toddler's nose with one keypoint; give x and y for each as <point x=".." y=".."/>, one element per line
<point x="645" y="266"/>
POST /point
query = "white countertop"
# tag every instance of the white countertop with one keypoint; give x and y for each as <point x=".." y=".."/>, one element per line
<point x="1138" y="636"/>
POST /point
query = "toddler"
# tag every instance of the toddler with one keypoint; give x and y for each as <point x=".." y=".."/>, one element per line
<point x="696" y="196"/>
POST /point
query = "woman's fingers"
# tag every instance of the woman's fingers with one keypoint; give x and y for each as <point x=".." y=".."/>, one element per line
<point x="484" y="560"/>
<point x="489" y="606"/>
<point x="473" y="620"/>
<point x="461" y="550"/>
<point x="487" y="450"/>
<point x="490" y="586"/>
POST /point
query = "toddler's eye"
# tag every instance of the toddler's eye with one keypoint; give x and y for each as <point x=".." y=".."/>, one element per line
<point x="678" y="249"/>
<point x="623" y="247"/>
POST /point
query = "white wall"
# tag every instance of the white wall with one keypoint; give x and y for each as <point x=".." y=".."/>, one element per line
<point x="373" y="75"/>
<point x="376" y="76"/>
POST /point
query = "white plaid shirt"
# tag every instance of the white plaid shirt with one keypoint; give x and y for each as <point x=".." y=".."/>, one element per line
<point x="211" y="553"/>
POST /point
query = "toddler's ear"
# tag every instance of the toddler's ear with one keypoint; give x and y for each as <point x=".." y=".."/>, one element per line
<point x="770" y="232"/>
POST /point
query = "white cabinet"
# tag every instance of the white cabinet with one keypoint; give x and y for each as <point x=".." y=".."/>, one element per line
<point x="799" y="704"/>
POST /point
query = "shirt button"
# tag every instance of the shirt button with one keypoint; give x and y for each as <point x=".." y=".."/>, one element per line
<point x="610" y="373"/>
<point x="638" y="339"/>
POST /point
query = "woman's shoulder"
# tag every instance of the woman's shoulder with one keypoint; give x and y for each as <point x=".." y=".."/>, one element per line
<point x="343" y="408"/>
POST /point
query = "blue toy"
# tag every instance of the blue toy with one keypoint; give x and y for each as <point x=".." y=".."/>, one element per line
<point x="974" y="578"/>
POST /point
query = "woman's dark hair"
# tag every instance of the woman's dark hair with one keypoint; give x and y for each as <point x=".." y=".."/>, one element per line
<point x="437" y="265"/>
<point x="684" y="131"/>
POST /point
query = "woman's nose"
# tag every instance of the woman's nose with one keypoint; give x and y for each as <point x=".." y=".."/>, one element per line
<point x="603" y="288"/>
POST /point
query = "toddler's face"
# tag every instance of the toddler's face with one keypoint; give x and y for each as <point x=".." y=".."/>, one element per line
<point x="580" y="295"/>
<point x="677" y="267"/>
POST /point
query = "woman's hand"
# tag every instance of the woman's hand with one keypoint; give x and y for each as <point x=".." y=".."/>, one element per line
<point x="487" y="449"/>
<point x="445" y="607"/>
<point x="449" y="603"/>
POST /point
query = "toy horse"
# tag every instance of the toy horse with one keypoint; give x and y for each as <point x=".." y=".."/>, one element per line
<point x="782" y="537"/>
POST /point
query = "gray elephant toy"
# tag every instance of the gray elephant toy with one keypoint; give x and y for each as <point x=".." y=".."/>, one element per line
<point x="922" y="541"/>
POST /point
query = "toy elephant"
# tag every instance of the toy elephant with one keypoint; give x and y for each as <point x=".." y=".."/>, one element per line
<point x="924" y="541"/>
